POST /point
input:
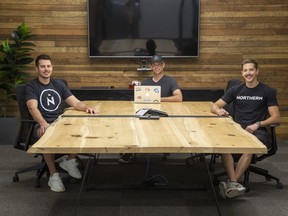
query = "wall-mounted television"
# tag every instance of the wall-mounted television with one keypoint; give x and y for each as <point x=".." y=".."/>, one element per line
<point x="142" y="28"/>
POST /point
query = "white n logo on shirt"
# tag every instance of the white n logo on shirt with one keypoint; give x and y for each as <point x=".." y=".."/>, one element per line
<point x="50" y="99"/>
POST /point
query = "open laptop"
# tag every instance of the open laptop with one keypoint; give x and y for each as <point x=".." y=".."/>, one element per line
<point x="147" y="94"/>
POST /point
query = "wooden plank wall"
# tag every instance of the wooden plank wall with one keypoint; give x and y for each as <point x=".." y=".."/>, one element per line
<point x="230" y="31"/>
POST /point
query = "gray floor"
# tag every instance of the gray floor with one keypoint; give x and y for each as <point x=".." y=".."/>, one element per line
<point x="180" y="198"/>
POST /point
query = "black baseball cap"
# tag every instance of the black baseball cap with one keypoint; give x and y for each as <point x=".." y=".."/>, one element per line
<point x="157" y="59"/>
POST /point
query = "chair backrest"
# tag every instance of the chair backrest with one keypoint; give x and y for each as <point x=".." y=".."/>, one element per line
<point x="20" y="97"/>
<point x="25" y="136"/>
<point x="231" y="83"/>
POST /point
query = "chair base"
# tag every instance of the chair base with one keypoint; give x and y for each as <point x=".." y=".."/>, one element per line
<point x="40" y="168"/>
<point x="263" y="173"/>
<point x="255" y="170"/>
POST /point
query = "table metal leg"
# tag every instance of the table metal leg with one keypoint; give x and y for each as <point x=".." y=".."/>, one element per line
<point x="202" y="158"/>
<point x="82" y="184"/>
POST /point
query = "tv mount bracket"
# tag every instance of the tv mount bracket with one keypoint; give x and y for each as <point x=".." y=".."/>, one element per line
<point x="143" y="66"/>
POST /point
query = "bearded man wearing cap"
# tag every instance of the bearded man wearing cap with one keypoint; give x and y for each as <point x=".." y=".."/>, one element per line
<point x="170" y="91"/>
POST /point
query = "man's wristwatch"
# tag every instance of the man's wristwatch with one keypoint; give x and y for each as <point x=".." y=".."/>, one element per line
<point x="259" y="123"/>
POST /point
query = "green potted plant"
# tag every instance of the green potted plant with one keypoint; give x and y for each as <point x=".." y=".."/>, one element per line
<point x="14" y="59"/>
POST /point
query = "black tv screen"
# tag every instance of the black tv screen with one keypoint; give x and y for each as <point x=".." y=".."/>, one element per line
<point x="142" y="28"/>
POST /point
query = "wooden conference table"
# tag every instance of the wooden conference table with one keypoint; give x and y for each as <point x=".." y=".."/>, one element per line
<point x="189" y="128"/>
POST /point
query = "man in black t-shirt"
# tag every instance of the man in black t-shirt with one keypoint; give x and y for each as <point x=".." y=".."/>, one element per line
<point x="45" y="99"/>
<point x="255" y="106"/>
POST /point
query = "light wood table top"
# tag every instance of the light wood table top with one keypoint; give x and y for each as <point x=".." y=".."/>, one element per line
<point x="133" y="135"/>
<point x="130" y="108"/>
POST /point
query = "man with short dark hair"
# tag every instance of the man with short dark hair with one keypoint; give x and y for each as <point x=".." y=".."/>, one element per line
<point x="255" y="106"/>
<point x="45" y="98"/>
<point x="169" y="88"/>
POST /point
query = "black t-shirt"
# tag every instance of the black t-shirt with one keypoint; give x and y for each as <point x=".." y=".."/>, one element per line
<point x="250" y="104"/>
<point x="168" y="85"/>
<point x="50" y="97"/>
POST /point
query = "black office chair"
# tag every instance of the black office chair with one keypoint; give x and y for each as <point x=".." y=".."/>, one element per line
<point x="25" y="137"/>
<point x="256" y="158"/>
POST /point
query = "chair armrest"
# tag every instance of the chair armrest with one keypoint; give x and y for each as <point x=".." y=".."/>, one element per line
<point x="25" y="134"/>
<point x="273" y="139"/>
<point x="274" y="125"/>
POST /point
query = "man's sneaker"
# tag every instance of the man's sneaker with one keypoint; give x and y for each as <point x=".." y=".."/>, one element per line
<point x="127" y="158"/>
<point x="234" y="189"/>
<point x="71" y="167"/>
<point x="222" y="189"/>
<point x="55" y="183"/>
